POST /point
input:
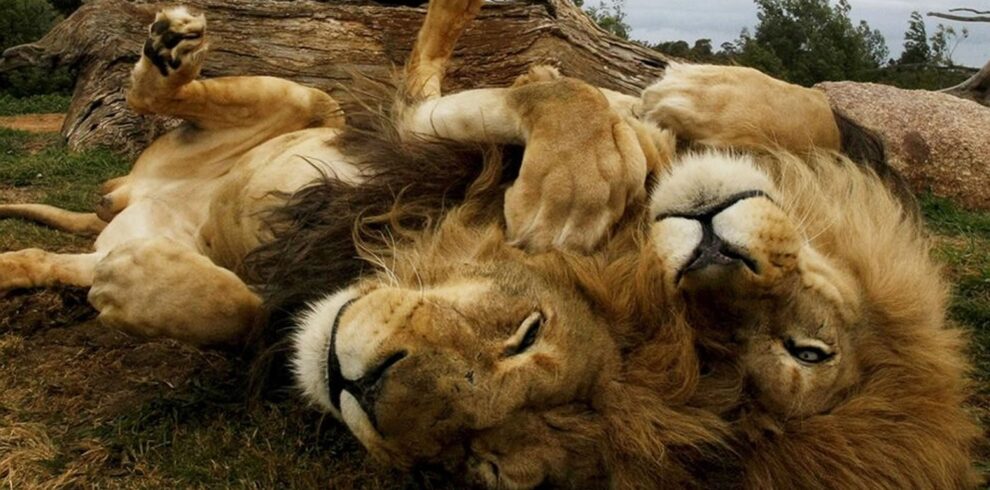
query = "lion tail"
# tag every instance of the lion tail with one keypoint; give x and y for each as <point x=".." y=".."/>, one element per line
<point x="69" y="221"/>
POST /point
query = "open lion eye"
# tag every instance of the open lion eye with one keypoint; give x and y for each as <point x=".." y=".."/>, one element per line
<point x="807" y="354"/>
<point x="526" y="335"/>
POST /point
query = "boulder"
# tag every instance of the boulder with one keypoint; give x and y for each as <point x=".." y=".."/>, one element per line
<point x="939" y="142"/>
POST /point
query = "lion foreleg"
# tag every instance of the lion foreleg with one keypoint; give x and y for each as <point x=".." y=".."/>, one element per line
<point x="164" y="81"/>
<point x="35" y="268"/>
<point x="445" y="21"/>
<point x="162" y="288"/>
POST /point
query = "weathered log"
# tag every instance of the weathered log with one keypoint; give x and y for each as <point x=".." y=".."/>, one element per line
<point x="975" y="88"/>
<point x="320" y="44"/>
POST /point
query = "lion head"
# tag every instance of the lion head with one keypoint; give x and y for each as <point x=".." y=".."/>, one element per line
<point x="512" y="370"/>
<point x="821" y="321"/>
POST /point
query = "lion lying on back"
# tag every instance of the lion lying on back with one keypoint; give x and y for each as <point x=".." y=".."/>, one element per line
<point x="767" y="320"/>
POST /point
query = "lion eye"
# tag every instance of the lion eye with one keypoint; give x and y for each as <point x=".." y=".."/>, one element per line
<point x="807" y="354"/>
<point x="527" y="334"/>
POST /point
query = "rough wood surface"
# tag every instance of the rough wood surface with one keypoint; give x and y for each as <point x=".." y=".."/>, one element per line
<point x="318" y="44"/>
<point x="976" y="88"/>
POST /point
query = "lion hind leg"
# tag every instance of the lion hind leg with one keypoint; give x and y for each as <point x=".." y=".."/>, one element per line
<point x="87" y="224"/>
<point x="35" y="268"/>
<point x="162" y="288"/>
<point x="445" y="21"/>
<point x="732" y="106"/>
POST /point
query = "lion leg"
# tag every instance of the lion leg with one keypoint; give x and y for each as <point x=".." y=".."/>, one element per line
<point x="731" y="106"/>
<point x="35" y="268"/>
<point x="78" y="223"/>
<point x="445" y="21"/>
<point x="164" y="81"/>
<point x="159" y="287"/>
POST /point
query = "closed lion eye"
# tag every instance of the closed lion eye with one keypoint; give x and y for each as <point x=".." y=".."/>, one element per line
<point x="526" y="335"/>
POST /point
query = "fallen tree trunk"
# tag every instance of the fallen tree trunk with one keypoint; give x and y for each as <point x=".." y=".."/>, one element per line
<point x="976" y="88"/>
<point x="319" y="44"/>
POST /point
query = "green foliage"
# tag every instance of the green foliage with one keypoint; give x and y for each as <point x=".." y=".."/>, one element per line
<point x="25" y="21"/>
<point x="925" y="77"/>
<point x="609" y="15"/>
<point x="809" y="41"/>
<point x="801" y="41"/>
<point x="35" y="104"/>
<point x="916" y="48"/>
<point x="66" y="7"/>
<point x="701" y="52"/>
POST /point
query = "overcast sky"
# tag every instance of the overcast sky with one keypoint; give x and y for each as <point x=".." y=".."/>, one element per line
<point x="721" y="21"/>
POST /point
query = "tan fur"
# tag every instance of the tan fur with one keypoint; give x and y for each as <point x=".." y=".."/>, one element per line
<point x="737" y="107"/>
<point x="245" y="145"/>
<point x="60" y="219"/>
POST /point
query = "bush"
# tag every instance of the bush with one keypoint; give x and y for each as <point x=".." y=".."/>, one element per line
<point x="25" y="21"/>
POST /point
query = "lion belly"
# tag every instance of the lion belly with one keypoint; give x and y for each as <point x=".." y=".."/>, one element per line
<point x="265" y="177"/>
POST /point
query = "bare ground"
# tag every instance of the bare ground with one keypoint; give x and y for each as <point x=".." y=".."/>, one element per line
<point x="34" y="123"/>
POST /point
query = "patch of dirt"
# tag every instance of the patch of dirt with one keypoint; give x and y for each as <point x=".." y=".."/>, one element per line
<point x="34" y="123"/>
<point x="14" y="195"/>
<point x="83" y="405"/>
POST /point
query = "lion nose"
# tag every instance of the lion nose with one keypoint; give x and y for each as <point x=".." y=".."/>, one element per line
<point x="367" y="388"/>
<point x="712" y="250"/>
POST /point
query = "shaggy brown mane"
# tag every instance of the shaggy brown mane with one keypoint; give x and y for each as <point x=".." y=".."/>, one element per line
<point x="330" y="232"/>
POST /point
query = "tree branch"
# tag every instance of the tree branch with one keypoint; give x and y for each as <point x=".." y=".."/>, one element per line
<point x="975" y="18"/>
<point x="972" y="11"/>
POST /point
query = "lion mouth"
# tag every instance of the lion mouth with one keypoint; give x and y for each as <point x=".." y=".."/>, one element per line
<point x="713" y="250"/>
<point x="335" y="377"/>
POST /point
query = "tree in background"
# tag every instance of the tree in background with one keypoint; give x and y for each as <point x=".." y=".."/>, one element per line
<point x="916" y="48"/>
<point x="609" y="15"/>
<point x="976" y="87"/>
<point x="809" y="41"/>
<point x="24" y="21"/>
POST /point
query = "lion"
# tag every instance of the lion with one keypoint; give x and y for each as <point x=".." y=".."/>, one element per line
<point x="173" y="233"/>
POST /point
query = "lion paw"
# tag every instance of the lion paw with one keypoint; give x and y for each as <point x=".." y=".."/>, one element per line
<point x="731" y="106"/>
<point x="177" y="42"/>
<point x="161" y="288"/>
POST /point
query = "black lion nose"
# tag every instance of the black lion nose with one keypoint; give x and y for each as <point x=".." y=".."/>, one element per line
<point x="713" y="250"/>
<point x="367" y="388"/>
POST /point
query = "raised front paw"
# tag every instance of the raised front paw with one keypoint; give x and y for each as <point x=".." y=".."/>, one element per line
<point x="177" y="42"/>
<point x="582" y="167"/>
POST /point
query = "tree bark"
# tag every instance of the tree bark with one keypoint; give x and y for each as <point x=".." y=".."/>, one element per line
<point x="320" y="44"/>
<point x="976" y="88"/>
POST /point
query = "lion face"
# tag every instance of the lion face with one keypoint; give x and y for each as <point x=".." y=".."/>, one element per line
<point x="481" y="368"/>
<point x="753" y="279"/>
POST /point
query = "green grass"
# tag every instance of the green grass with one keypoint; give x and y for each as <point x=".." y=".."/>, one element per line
<point x="66" y="179"/>
<point x="35" y="104"/>
<point x="963" y="244"/>
<point x="38" y="168"/>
